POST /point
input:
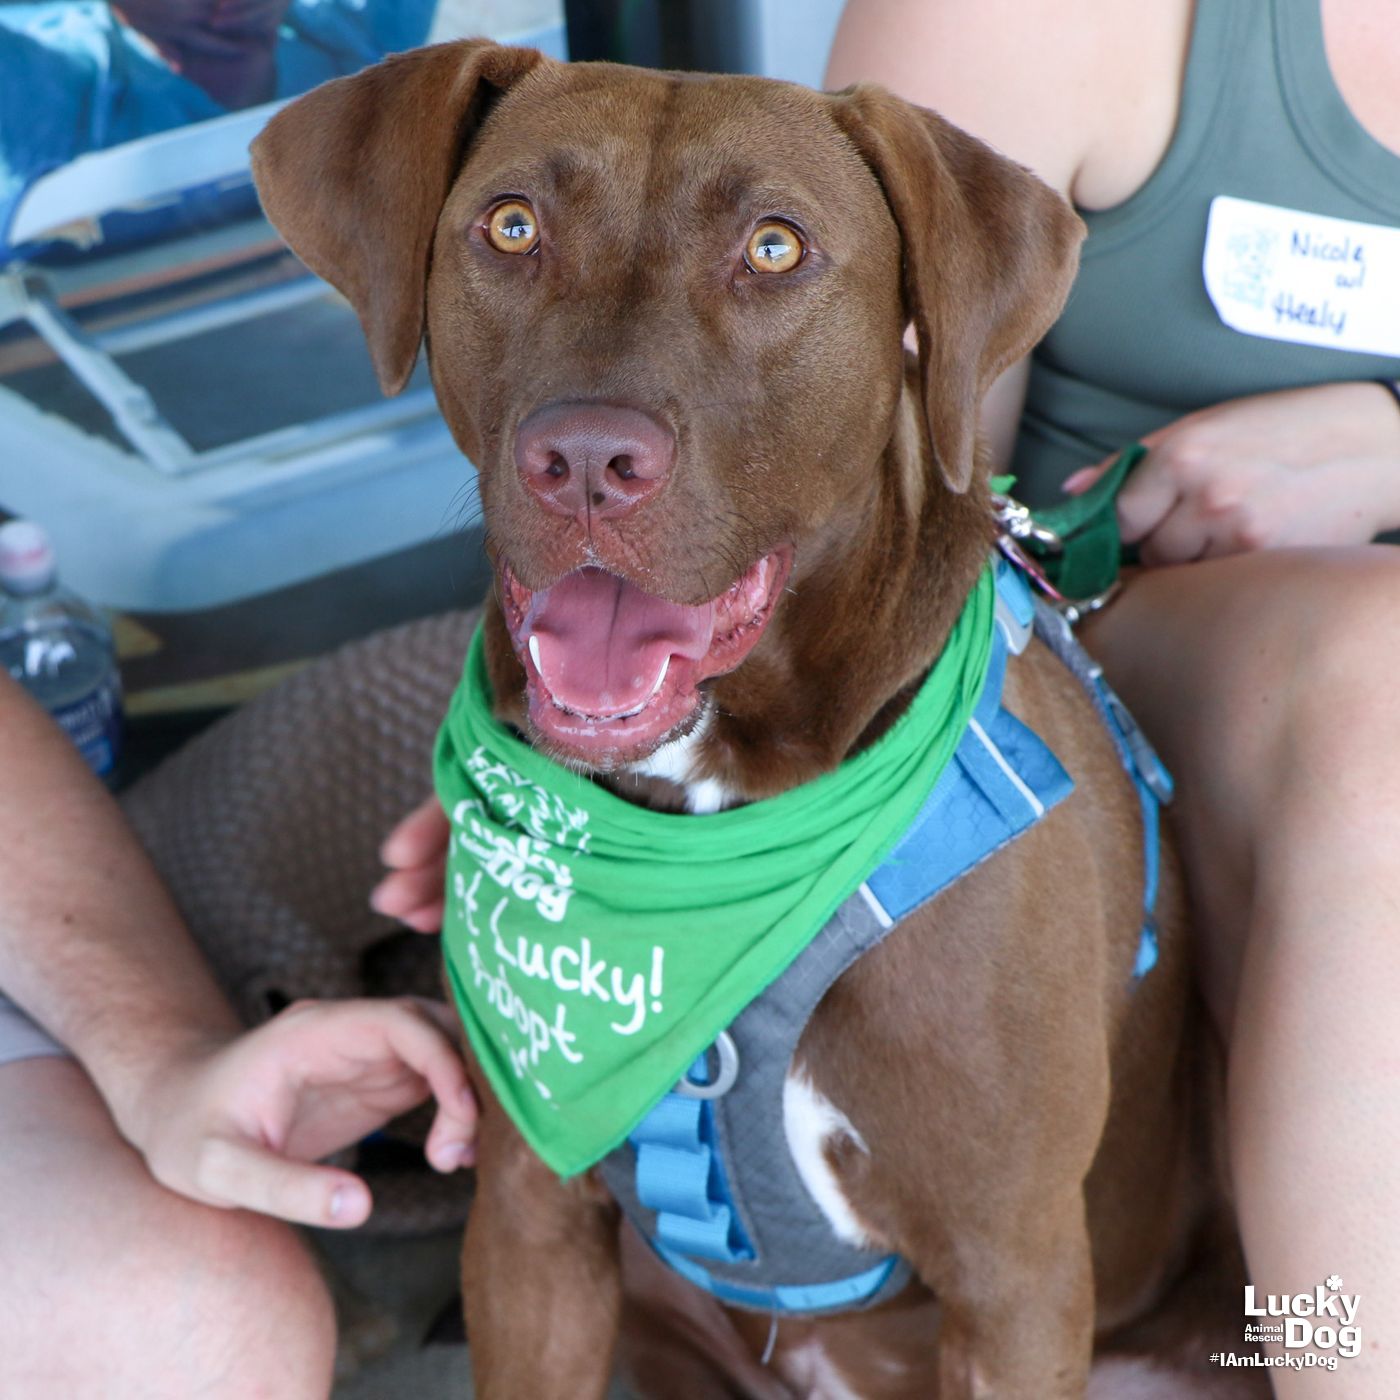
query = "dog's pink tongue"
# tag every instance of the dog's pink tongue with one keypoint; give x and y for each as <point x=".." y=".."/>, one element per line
<point x="602" y="646"/>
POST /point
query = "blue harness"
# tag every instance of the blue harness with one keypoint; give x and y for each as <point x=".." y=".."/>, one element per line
<point x="707" y="1176"/>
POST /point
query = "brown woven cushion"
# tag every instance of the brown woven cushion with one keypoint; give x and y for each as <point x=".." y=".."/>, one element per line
<point x="267" y="829"/>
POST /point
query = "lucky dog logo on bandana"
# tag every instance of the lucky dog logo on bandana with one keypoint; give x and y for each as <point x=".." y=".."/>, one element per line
<point x="528" y="868"/>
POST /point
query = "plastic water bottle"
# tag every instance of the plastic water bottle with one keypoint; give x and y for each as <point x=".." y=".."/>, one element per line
<point x="57" y="647"/>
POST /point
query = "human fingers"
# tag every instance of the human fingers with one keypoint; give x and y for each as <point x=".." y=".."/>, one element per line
<point x="238" y="1172"/>
<point x="412" y="896"/>
<point x="441" y="1015"/>
<point x="1148" y="496"/>
<point x="446" y="1147"/>
<point x="1184" y="535"/>
<point x="421" y="1033"/>
<point x="1077" y="483"/>
<point x="419" y="839"/>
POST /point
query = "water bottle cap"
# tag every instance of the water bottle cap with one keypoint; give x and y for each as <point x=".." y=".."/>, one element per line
<point x="26" y="557"/>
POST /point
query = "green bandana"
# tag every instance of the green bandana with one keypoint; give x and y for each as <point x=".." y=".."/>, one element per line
<point x="595" y="948"/>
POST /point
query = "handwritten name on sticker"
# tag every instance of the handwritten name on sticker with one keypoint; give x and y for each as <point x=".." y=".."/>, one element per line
<point x="1286" y="274"/>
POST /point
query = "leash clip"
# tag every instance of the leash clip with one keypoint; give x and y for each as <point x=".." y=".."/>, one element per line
<point x="1015" y="524"/>
<point x="1017" y="527"/>
<point x="1016" y="520"/>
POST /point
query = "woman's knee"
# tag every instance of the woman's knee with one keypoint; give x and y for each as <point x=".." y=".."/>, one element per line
<point x="1257" y="678"/>
<point x="1337" y="716"/>
<point x="1236" y="662"/>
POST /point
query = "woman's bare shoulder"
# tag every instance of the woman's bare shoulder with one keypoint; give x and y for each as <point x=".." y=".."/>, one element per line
<point x="1082" y="91"/>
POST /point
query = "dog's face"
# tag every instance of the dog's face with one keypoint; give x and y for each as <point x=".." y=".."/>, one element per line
<point x="713" y="257"/>
<point x="664" y="316"/>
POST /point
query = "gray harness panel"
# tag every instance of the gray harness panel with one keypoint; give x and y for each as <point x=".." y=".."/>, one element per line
<point x="793" y="1240"/>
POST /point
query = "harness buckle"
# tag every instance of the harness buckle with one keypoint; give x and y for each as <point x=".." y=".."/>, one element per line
<point x="725" y="1077"/>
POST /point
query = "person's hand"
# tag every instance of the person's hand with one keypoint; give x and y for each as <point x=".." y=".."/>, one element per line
<point x="416" y="854"/>
<point x="1312" y="466"/>
<point x="240" y="1122"/>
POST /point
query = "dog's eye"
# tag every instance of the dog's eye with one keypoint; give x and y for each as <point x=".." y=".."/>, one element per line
<point x="511" y="227"/>
<point x="774" y="247"/>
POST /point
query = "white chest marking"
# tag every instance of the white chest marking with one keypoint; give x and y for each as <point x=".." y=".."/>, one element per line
<point x="810" y="1120"/>
<point x="676" y="763"/>
<point x="809" y="1368"/>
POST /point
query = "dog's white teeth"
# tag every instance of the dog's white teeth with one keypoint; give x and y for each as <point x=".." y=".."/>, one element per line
<point x="535" y="652"/>
<point x="660" y="680"/>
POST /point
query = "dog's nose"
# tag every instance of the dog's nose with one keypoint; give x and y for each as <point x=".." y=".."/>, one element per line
<point x="593" y="459"/>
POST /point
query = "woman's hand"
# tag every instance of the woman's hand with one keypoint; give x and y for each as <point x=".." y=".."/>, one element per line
<point x="1313" y="466"/>
<point x="416" y="854"/>
<point x="239" y="1122"/>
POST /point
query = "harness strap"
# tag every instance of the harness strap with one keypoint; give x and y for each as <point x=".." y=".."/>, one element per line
<point x="1151" y="780"/>
<point x="790" y="1297"/>
<point x="680" y="1175"/>
<point x="1002" y="780"/>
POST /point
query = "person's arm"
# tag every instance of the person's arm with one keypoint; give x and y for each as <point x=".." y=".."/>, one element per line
<point x="92" y="947"/>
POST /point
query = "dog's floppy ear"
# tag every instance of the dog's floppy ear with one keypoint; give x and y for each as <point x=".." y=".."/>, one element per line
<point x="990" y="252"/>
<point x="355" y="174"/>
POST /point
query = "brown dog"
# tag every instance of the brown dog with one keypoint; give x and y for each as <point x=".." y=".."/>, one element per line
<point x="665" y="316"/>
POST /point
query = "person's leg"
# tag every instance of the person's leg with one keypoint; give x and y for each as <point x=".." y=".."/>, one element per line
<point x="1266" y="682"/>
<point x="113" y="1287"/>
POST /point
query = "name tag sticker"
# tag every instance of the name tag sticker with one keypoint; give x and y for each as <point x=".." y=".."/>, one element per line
<point x="1285" y="274"/>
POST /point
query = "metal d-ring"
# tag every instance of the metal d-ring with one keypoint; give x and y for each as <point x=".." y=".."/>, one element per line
<point x="723" y="1081"/>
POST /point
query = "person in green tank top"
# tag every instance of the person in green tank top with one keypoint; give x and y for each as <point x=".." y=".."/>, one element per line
<point x="1237" y="163"/>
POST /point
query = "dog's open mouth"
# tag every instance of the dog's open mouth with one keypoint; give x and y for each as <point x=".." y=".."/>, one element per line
<point x="612" y="672"/>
